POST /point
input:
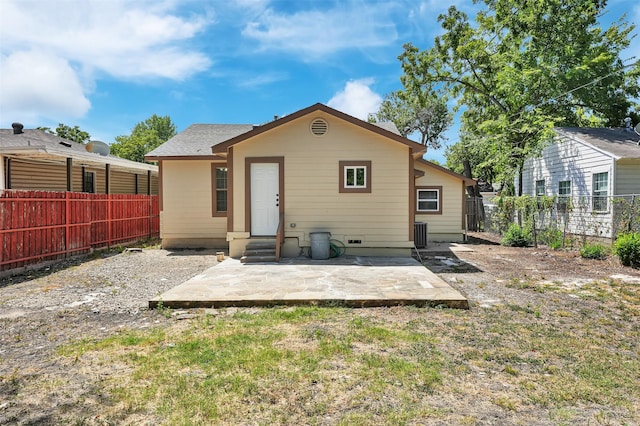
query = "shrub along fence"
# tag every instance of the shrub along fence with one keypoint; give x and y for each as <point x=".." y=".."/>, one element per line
<point x="553" y="220"/>
<point x="36" y="226"/>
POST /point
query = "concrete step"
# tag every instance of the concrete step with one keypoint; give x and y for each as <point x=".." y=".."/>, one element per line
<point x="261" y="244"/>
<point x="260" y="252"/>
<point x="258" y="258"/>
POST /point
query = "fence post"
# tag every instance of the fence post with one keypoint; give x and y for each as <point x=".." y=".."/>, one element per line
<point x="108" y="221"/>
<point x="67" y="223"/>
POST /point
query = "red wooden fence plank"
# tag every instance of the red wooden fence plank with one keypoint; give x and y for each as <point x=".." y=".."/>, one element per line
<point x="37" y="225"/>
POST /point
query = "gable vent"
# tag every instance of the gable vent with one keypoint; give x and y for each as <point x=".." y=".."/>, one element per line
<point x="319" y="127"/>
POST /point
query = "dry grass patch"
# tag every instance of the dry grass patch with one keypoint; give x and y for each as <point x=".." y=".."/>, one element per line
<point x="577" y="361"/>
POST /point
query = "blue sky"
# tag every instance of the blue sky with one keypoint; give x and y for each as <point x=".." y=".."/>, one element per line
<point x="107" y="65"/>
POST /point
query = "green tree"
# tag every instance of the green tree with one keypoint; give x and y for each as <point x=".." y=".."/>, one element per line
<point x="145" y="136"/>
<point x="70" y="133"/>
<point x="425" y="113"/>
<point x="524" y="67"/>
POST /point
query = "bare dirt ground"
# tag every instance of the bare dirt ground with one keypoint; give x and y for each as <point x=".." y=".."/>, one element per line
<point x="94" y="298"/>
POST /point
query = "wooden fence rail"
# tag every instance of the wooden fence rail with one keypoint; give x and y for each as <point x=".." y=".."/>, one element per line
<point x="36" y="225"/>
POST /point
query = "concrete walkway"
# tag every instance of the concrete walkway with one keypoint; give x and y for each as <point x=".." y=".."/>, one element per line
<point x="346" y="281"/>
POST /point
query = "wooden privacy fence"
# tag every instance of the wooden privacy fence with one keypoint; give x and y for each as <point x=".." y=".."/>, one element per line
<point x="36" y="225"/>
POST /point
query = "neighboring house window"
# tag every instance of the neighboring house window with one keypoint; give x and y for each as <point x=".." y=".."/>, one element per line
<point x="564" y="195"/>
<point x="220" y="183"/>
<point x="89" y="182"/>
<point x="600" y="191"/>
<point x="429" y="200"/>
<point x="355" y="176"/>
<point x="540" y="188"/>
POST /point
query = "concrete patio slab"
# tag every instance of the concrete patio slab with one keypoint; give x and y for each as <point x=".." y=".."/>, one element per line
<point x="346" y="281"/>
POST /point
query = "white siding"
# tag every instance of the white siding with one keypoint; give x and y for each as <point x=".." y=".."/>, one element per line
<point x="577" y="162"/>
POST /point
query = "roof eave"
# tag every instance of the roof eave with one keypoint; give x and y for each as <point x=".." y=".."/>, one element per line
<point x="88" y="157"/>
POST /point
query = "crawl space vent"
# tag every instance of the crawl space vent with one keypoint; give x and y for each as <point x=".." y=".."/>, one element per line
<point x="319" y="127"/>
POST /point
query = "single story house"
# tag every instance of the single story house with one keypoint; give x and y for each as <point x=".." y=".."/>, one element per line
<point x="592" y="167"/>
<point x="32" y="159"/>
<point x="316" y="170"/>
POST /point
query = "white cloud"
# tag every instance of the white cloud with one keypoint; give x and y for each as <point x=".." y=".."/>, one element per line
<point x="37" y="84"/>
<point x="356" y="99"/>
<point x="317" y="33"/>
<point x="85" y="40"/>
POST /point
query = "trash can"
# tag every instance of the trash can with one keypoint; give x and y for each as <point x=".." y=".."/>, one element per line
<point x="320" y="245"/>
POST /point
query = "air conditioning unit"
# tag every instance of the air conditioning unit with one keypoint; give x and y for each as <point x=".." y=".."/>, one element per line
<point x="420" y="234"/>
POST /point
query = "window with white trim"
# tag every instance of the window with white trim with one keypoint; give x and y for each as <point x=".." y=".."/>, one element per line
<point x="355" y="176"/>
<point x="221" y="189"/>
<point x="564" y="195"/>
<point x="600" y="191"/>
<point x="540" y="190"/>
<point x="428" y="200"/>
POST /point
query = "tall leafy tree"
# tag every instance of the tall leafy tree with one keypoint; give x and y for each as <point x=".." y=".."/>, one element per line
<point x="525" y="66"/>
<point x="70" y="133"/>
<point x="145" y="136"/>
<point x="426" y="114"/>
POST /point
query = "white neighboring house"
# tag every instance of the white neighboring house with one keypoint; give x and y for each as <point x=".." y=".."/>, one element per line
<point x="591" y="166"/>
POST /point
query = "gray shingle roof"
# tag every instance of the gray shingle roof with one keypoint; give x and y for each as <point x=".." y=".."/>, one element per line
<point x="389" y="126"/>
<point x="34" y="137"/>
<point x="37" y="142"/>
<point x="619" y="142"/>
<point x="198" y="139"/>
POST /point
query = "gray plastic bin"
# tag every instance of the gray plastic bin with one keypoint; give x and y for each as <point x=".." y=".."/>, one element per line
<point x="320" y="245"/>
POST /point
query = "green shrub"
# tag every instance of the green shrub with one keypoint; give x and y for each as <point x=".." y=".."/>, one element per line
<point x="516" y="237"/>
<point x="552" y="237"/>
<point x="593" y="251"/>
<point x="627" y="247"/>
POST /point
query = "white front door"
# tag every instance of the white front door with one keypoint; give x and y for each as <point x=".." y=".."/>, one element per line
<point x="265" y="198"/>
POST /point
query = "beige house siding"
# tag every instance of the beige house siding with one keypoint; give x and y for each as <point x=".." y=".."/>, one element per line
<point x="47" y="176"/>
<point x="41" y="176"/>
<point x="186" y="217"/>
<point x="122" y="183"/>
<point x="448" y="225"/>
<point x="311" y="179"/>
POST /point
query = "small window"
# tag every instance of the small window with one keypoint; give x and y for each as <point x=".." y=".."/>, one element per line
<point x="220" y="184"/>
<point x="355" y="176"/>
<point x="564" y="195"/>
<point x="89" y="182"/>
<point x="540" y="188"/>
<point x="600" y="191"/>
<point x="428" y="200"/>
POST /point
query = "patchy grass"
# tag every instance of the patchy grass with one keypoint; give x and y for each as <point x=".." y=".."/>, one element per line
<point x="395" y="366"/>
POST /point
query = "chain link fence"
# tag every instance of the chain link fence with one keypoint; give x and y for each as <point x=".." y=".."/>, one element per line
<point x="565" y="217"/>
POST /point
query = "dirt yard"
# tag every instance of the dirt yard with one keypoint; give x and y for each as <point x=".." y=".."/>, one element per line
<point x="89" y="299"/>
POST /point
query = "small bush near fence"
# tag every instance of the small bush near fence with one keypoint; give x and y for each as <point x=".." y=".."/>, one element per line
<point x="593" y="251"/>
<point x="627" y="248"/>
<point x="516" y="237"/>
<point x="558" y="221"/>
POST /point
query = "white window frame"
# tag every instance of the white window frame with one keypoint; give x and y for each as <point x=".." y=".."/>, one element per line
<point x="598" y="194"/>
<point x="568" y="194"/>
<point x="544" y="188"/>
<point x="437" y="200"/>
<point x="355" y="177"/>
